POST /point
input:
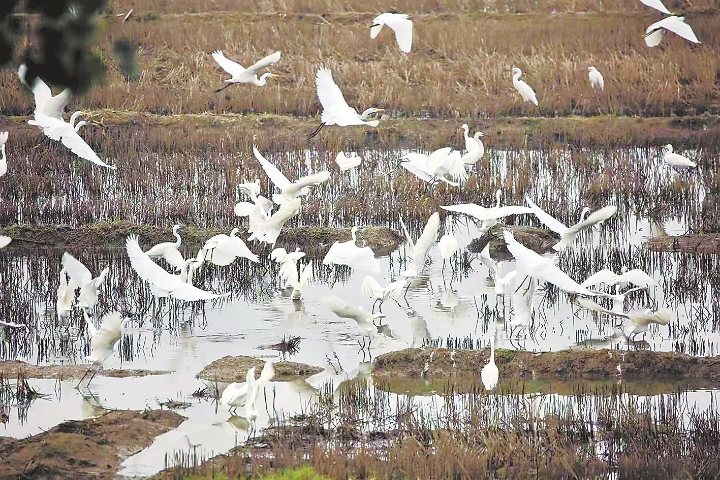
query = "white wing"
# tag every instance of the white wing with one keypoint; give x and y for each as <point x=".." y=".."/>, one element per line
<point x="595" y="217"/>
<point x="425" y="241"/>
<point x="504" y="211"/>
<point x="271" y="171"/>
<point x="371" y="288"/>
<point x="422" y="175"/>
<point x="4" y="241"/>
<point x="235" y="394"/>
<point x="235" y="247"/>
<point x="328" y="92"/>
<point x="656" y="4"/>
<point x="590" y="305"/>
<point x="678" y="26"/>
<point x="260" y="64"/>
<point x="233" y="68"/>
<point x="637" y="277"/>
<point x="549" y="221"/>
<point x="174" y="258"/>
<point x="77" y="271"/>
<point x="608" y="277"/>
<point x="407" y="234"/>
<point x="62" y="131"/>
<point x="403" y="28"/>
<point x="314" y="179"/>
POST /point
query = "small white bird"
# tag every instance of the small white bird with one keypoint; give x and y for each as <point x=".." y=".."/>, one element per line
<point x="448" y="244"/>
<point x="419" y="249"/>
<point x="641" y="320"/>
<point x="288" y="189"/>
<point x="347" y="162"/>
<point x="433" y="167"/>
<point x="523" y="88"/>
<point x="677" y="25"/>
<point x="45" y="102"/>
<point x="490" y="373"/>
<point x="596" y="79"/>
<point x="675" y="160"/>
<point x="364" y="319"/>
<point x="223" y="249"/>
<point x="245" y="394"/>
<point x="371" y="288"/>
<point x="657" y="5"/>
<point x="348" y="253"/>
<point x="285" y="259"/>
<point x="268" y="230"/>
<point x="169" y="251"/>
<point x="81" y="278"/>
<point x="4" y="241"/>
<point x="608" y="277"/>
<point x="490" y="215"/>
<point x="336" y="111"/>
<point x="298" y="280"/>
<point x="503" y="284"/>
<point x="568" y="234"/>
<point x="103" y="340"/>
<point x="245" y="75"/>
<point x="400" y="23"/>
<point x="3" y="158"/>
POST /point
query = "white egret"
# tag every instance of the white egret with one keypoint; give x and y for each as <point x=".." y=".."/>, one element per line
<point x="347" y="162"/>
<point x="257" y="212"/>
<point x="568" y="234"/>
<point x="4" y="241"/>
<point x="297" y="279"/>
<point x="59" y="130"/>
<point x="675" y="160"/>
<point x="535" y="265"/>
<point x="657" y="5"/>
<point x="245" y="75"/>
<point x="448" y="244"/>
<point x="103" y="340"/>
<point x="371" y="288"/>
<point x="284" y="258"/>
<point x="472" y="143"/>
<point x="364" y="319"/>
<point x="677" y="25"/>
<point x="163" y="282"/>
<point x="169" y="250"/>
<point x="348" y="253"/>
<point x="503" y="284"/>
<point x="268" y="230"/>
<point x="82" y="278"/>
<point x="523" y="301"/>
<point x="45" y="102"/>
<point x="245" y="394"/>
<point x="3" y="158"/>
<point x="400" y="23"/>
<point x="490" y="373"/>
<point x="641" y="320"/>
<point x="523" y="88"/>
<point x="608" y="277"/>
<point x="251" y="188"/>
<point x="490" y="215"/>
<point x="452" y="164"/>
<point x="224" y="249"/>
<point x="419" y="164"/>
<point x="287" y="188"/>
<point x="596" y="79"/>
<point x="65" y="295"/>
<point x="419" y="249"/>
<point x="336" y="111"/>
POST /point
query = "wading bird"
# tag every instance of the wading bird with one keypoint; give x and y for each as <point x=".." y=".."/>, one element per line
<point x="297" y="279"/>
<point x="654" y="33"/>
<point x="336" y="111"/>
<point x="448" y="244"/>
<point x="675" y="160"/>
<point x="523" y="88"/>
<point x="371" y="288"/>
<point x="80" y="277"/>
<point x="400" y="23"/>
<point x="419" y="249"/>
<point x="103" y="341"/>
<point x="348" y="253"/>
<point x="245" y="394"/>
<point x="169" y="251"/>
<point x="596" y="79"/>
<point x="364" y="319"/>
<point x="223" y="249"/>
<point x="245" y="75"/>
<point x="490" y="373"/>
<point x="472" y="143"/>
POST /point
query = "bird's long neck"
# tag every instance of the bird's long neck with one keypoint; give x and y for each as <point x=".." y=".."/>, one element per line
<point x="177" y="238"/>
<point x="492" y="350"/>
<point x="73" y="117"/>
<point x="80" y="124"/>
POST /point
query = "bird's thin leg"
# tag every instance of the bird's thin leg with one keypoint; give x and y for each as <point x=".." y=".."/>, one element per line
<point x="91" y="378"/>
<point x="223" y="88"/>
<point x="83" y="377"/>
<point x="316" y="131"/>
<point x="373" y="307"/>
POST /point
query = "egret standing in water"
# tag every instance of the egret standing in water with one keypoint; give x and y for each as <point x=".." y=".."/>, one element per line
<point x="490" y="373"/>
<point x="675" y="160"/>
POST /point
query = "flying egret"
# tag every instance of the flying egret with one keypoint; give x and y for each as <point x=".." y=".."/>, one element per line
<point x="169" y="250"/>
<point x="419" y="249"/>
<point x="371" y="288"/>
<point x="364" y="319"/>
<point x="279" y="255"/>
<point x="490" y="215"/>
<point x="448" y="244"/>
<point x="433" y="167"/>
<point x="163" y="282"/>
<point x="103" y="340"/>
<point x="45" y="102"/>
<point x="258" y="212"/>
<point x="224" y="249"/>
<point x="245" y="75"/>
<point x="297" y="279"/>
<point x="503" y="284"/>
<point x="347" y="162"/>
<point x="3" y="158"/>
<point x="677" y="25"/>
<point x="245" y="394"/>
<point x="336" y="111"/>
<point x="523" y="88"/>
<point x="490" y="373"/>
<point x="610" y="278"/>
<point x="596" y="79"/>
<point x="452" y="165"/>
<point x="400" y="23"/>
<point x="472" y="143"/>
<point x="568" y="234"/>
<point x="535" y="265"/>
<point x="348" y="253"/>
<point x="675" y="160"/>
<point x="82" y="278"/>
<point x="268" y="229"/>
<point x="61" y="131"/>
<point x="657" y="5"/>
<point x="287" y="188"/>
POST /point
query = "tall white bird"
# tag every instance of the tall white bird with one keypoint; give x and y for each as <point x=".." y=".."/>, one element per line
<point x="241" y="74"/>
<point x="400" y="23"/>
<point x="490" y="373"/>
<point x="371" y="288"/>
<point x="268" y="230"/>
<point x="675" y="160"/>
<point x="657" y="5"/>
<point x="103" y="340"/>
<point x="287" y="188"/>
<point x="169" y="250"/>
<point x="336" y="111"/>
<point x="348" y="253"/>
<point x="568" y="234"/>
<point x="419" y="249"/>
<point x="224" y="249"/>
<point x="677" y="25"/>
<point x="448" y="244"/>
<point x="346" y="162"/>
<point x="527" y="93"/>
<point x="472" y="143"/>
<point x="61" y="131"/>
<point x="163" y="282"/>
<point x="596" y="79"/>
<point x="3" y="158"/>
<point x="537" y="266"/>
<point x="490" y="215"/>
<point x="245" y="394"/>
<point x="81" y="278"/>
<point x="4" y="241"/>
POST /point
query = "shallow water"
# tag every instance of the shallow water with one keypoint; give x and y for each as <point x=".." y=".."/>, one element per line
<point x="454" y="302"/>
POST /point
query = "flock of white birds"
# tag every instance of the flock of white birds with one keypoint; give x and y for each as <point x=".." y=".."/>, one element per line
<point x="265" y="226"/>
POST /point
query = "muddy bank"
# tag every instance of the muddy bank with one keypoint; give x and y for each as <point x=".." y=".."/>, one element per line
<point x="539" y="240"/>
<point x="566" y="364"/>
<point x="15" y="368"/>
<point x="92" y="448"/>
<point x="696" y="243"/>
<point x="381" y="239"/>
<point x="233" y="369"/>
